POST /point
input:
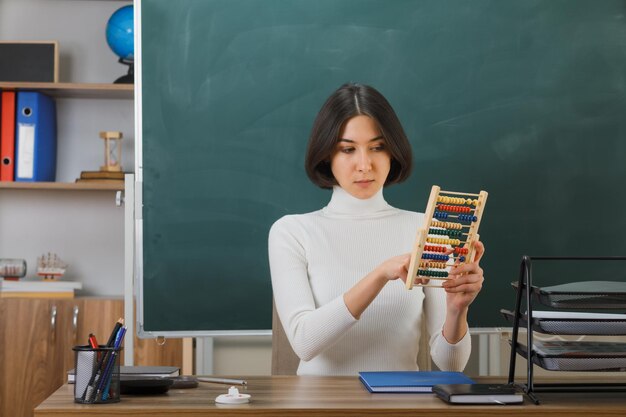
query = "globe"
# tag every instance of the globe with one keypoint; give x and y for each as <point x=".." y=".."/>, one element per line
<point x="120" y="33"/>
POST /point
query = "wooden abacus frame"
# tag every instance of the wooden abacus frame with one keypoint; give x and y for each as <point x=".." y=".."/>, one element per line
<point x="437" y="196"/>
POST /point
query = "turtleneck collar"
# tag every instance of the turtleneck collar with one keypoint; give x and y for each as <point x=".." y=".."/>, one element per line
<point x="343" y="204"/>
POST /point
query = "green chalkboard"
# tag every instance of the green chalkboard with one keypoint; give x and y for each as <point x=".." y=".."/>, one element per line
<point x="523" y="99"/>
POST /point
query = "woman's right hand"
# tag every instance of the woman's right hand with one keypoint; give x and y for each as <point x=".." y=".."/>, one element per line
<point x="359" y="297"/>
<point x="394" y="268"/>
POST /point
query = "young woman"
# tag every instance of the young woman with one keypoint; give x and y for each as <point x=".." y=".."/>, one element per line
<point x="338" y="273"/>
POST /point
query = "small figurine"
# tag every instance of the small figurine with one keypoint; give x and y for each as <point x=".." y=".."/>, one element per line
<point x="50" y="266"/>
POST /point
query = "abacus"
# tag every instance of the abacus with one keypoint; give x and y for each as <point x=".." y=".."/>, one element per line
<point x="451" y="222"/>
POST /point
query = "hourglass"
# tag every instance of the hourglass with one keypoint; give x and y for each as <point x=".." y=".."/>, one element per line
<point x="112" y="151"/>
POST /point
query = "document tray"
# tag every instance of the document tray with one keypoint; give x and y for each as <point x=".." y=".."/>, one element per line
<point x="585" y="294"/>
<point x="550" y="322"/>
<point x="577" y="356"/>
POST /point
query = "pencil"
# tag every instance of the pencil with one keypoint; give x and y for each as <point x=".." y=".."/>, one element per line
<point x="116" y="328"/>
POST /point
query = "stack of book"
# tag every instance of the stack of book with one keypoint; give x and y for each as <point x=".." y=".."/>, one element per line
<point x="137" y="372"/>
<point x="102" y="177"/>
<point x="38" y="289"/>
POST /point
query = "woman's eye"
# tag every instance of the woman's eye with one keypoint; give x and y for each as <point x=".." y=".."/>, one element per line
<point x="378" y="148"/>
<point x="347" y="150"/>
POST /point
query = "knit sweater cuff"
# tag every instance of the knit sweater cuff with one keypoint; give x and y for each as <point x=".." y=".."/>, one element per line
<point x="451" y="357"/>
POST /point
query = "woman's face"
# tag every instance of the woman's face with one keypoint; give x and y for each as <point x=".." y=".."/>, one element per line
<point x="360" y="161"/>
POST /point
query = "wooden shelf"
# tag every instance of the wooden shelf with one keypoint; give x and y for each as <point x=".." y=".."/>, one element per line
<point x="61" y="186"/>
<point x="76" y="90"/>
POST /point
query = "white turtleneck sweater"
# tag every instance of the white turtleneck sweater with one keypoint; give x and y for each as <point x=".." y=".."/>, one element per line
<point x="316" y="257"/>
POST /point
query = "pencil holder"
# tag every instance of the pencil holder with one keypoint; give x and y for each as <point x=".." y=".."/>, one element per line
<point x="97" y="378"/>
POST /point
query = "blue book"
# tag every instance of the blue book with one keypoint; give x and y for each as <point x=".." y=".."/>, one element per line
<point x="35" y="137"/>
<point x="410" y="381"/>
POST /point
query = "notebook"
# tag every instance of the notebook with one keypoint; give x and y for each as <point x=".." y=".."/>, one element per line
<point x="479" y="394"/>
<point x="410" y="381"/>
<point x="137" y="371"/>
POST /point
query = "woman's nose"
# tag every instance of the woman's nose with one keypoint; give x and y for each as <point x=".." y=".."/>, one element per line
<point x="364" y="162"/>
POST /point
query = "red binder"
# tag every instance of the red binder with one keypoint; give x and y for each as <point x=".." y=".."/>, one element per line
<point x="7" y="136"/>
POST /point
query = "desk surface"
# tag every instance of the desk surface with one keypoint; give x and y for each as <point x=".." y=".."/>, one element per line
<point x="323" y="396"/>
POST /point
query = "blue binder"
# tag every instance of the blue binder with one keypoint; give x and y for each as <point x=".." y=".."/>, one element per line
<point x="410" y="381"/>
<point x="35" y="137"/>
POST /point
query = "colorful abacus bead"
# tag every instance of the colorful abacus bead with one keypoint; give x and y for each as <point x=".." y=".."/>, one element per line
<point x="451" y="233"/>
<point x="429" y="273"/>
<point x="456" y="200"/>
<point x="467" y="218"/>
<point x="435" y="257"/>
<point x="433" y="248"/>
<point x="453" y="209"/>
<point x="437" y="265"/>
<point x="447" y="225"/>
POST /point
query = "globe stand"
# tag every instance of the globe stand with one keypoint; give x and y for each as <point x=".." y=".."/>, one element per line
<point x="129" y="78"/>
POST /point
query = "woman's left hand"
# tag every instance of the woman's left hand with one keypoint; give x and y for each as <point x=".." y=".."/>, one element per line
<point x="466" y="281"/>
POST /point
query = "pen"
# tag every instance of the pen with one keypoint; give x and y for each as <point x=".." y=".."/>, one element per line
<point x="110" y="362"/>
<point x="105" y="379"/>
<point x="95" y="378"/>
<point x="92" y="341"/>
<point x="109" y="373"/>
<point x="222" y="380"/>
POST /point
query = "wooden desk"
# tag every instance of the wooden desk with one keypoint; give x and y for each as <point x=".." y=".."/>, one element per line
<point x="323" y="396"/>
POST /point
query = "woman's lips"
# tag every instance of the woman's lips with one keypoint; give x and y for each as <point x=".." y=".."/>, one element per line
<point x="363" y="183"/>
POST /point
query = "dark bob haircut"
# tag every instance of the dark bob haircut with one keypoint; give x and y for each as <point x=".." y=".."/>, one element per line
<point x="346" y="102"/>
